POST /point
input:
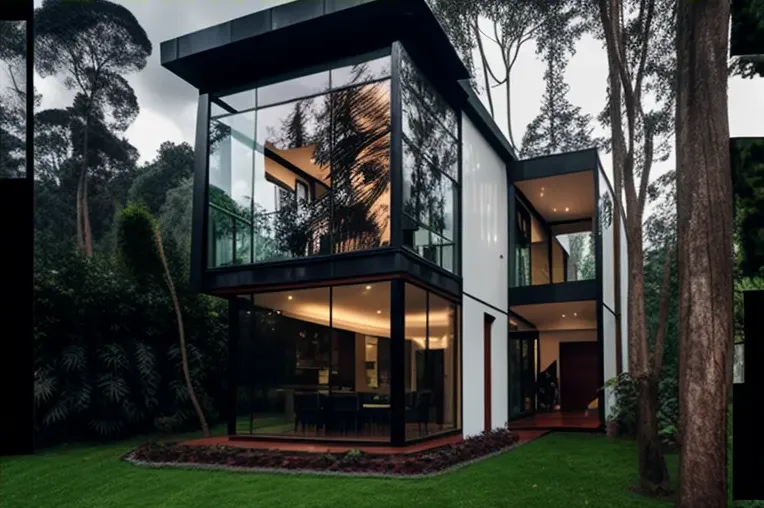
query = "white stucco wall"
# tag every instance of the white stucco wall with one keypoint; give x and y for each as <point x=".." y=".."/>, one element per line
<point x="485" y="278"/>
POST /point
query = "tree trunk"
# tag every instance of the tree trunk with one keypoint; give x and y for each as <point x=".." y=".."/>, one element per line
<point x="704" y="216"/>
<point x="509" y="113"/>
<point x="653" y="474"/>
<point x="484" y="62"/>
<point x="84" y="234"/>
<point x="182" y="338"/>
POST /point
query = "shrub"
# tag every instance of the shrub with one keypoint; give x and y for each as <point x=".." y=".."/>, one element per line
<point x="107" y="363"/>
<point x="624" y="410"/>
<point x="354" y="461"/>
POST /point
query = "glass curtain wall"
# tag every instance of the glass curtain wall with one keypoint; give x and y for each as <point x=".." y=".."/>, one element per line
<point x="316" y="363"/>
<point x="430" y="170"/>
<point x="431" y="360"/>
<point x="301" y="167"/>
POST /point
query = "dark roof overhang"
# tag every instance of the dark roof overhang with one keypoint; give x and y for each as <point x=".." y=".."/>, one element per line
<point x="307" y="33"/>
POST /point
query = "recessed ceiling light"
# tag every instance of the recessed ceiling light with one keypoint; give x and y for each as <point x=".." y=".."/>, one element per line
<point x="379" y="312"/>
<point x="554" y="209"/>
<point x="563" y="315"/>
<point x="575" y="313"/>
<point x="542" y="194"/>
<point x="278" y="312"/>
<point x="368" y="287"/>
<point x="289" y="297"/>
<point x="542" y="189"/>
<point x="567" y="209"/>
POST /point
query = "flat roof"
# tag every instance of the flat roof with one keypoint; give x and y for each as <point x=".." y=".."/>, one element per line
<point x="306" y="33"/>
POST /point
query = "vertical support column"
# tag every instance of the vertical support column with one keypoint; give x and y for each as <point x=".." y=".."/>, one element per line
<point x="200" y="215"/>
<point x="397" y="352"/>
<point x="602" y="400"/>
<point x="511" y="212"/>
<point x="396" y="149"/>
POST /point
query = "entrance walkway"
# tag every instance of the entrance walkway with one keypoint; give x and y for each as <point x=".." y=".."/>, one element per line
<point x="558" y="420"/>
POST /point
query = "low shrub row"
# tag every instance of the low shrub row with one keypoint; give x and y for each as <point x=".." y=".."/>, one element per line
<point x="354" y="461"/>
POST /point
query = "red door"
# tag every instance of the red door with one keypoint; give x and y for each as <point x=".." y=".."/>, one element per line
<point x="487" y="325"/>
<point x="579" y="375"/>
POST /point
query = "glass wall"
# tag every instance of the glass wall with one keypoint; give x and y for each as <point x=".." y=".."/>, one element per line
<point x="430" y="170"/>
<point x="573" y="252"/>
<point x="14" y="87"/>
<point x="430" y="363"/>
<point x="316" y="363"/>
<point x="606" y="207"/>
<point x="301" y="167"/>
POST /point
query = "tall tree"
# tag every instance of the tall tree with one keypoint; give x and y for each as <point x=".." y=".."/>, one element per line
<point x="92" y="43"/>
<point x="559" y="126"/>
<point x="704" y="213"/>
<point x="173" y="164"/>
<point x="13" y="99"/>
<point x="142" y="252"/>
<point x="639" y="35"/>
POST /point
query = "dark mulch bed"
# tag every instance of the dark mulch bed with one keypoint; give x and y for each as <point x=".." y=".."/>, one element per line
<point x="353" y="462"/>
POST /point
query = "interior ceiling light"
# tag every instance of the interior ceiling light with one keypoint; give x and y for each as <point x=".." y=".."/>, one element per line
<point x="379" y="312"/>
<point x="567" y="209"/>
<point x="563" y="315"/>
<point x="289" y="297"/>
<point x="575" y="314"/>
<point x="542" y="194"/>
<point x="368" y="287"/>
<point x="554" y="209"/>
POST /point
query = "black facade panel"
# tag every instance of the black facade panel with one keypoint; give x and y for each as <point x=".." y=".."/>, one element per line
<point x="558" y="164"/>
<point x="575" y="291"/>
<point x="295" y="12"/>
<point x="251" y="25"/>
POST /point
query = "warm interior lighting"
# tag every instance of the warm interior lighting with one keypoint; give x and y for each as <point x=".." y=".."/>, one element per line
<point x="563" y="315"/>
<point x="542" y="194"/>
<point x="368" y="287"/>
<point x="289" y="297"/>
<point x="554" y="209"/>
<point x="575" y="314"/>
<point x="567" y="209"/>
<point x="379" y="312"/>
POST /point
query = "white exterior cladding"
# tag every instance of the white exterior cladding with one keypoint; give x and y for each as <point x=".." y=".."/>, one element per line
<point x="485" y="278"/>
<point x="624" y="268"/>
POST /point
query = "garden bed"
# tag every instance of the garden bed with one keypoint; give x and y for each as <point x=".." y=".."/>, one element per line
<point x="354" y="462"/>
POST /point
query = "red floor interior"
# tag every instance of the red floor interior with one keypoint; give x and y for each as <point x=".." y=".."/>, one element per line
<point x="558" y="420"/>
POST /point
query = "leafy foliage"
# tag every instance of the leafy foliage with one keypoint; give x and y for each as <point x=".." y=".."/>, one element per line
<point x="624" y="410"/>
<point x="106" y="360"/>
<point x="137" y="243"/>
<point x="13" y="99"/>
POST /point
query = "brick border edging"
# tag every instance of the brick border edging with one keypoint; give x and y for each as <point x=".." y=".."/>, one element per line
<point x="312" y="472"/>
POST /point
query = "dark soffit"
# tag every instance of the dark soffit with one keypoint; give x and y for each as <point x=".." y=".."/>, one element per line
<point x="305" y="33"/>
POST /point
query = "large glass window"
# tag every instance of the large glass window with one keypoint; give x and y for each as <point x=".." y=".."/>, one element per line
<point x="430" y="364"/>
<point x="304" y="170"/>
<point x="573" y="252"/>
<point x="318" y="364"/>
<point x="430" y="170"/>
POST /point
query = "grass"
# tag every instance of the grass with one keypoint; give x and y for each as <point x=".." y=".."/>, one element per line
<point x="556" y="470"/>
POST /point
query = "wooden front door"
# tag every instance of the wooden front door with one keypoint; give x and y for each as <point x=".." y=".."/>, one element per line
<point x="579" y="375"/>
<point x="487" y="325"/>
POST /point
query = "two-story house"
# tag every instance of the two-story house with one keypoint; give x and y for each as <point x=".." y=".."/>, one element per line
<point x="394" y="272"/>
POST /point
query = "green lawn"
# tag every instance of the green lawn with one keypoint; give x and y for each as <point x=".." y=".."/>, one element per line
<point x="556" y="470"/>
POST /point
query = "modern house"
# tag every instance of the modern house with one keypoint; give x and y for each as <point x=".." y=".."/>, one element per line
<point x="394" y="272"/>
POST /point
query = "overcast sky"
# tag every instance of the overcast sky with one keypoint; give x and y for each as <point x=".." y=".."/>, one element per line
<point x="168" y="104"/>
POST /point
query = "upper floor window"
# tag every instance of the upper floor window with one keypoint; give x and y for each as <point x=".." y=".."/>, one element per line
<point x="430" y="170"/>
<point x="300" y="167"/>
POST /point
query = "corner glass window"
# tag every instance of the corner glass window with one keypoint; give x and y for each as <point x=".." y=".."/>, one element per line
<point x="305" y="173"/>
<point x="430" y="171"/>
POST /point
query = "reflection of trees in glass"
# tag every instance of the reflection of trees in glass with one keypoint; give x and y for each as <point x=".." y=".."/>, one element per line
<point x="354" y="141"/>
<point x="428" y="196"/>
<point x="581" y="257"/>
